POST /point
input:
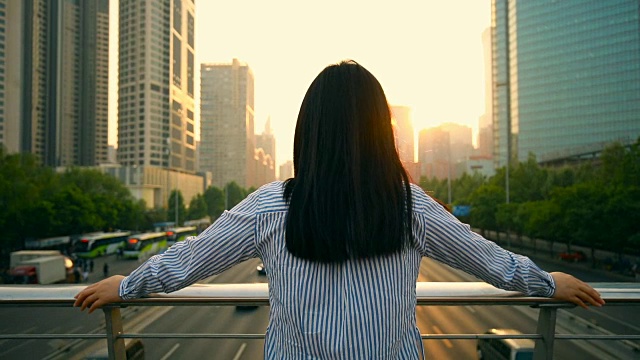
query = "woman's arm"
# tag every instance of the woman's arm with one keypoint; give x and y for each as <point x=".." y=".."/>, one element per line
<point x="230" y="240"/>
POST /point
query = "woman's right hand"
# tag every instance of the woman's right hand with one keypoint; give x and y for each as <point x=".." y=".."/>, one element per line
<point x="571" y="289"/>
<point x="99" y="294"/>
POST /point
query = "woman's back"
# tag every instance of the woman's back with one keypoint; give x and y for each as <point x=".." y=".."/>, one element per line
<point x="362" y="308"/>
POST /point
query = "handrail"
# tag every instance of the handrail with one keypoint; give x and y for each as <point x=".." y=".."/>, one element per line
<point x="428" y="293"/>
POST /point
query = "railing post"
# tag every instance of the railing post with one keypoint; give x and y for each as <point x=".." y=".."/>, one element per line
<point x="115" y="344"/>
<point x="546" y="328"/>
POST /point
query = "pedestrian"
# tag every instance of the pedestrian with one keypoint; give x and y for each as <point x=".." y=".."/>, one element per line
<point x="76" y="274"/>
<point x="91" y="265"/>
<point x="343" y="239"/>
<point x="105" y="270"/>
<point x="85" y="275"/>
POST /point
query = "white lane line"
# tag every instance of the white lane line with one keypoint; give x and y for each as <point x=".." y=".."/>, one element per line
<point x="173" y="349"/>
<point x="240" y="351"/>
<point x="447" y="342"/>
<point x="471" y="310"/>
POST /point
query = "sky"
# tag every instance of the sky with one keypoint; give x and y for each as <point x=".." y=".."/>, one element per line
<point x="427" y="54"/>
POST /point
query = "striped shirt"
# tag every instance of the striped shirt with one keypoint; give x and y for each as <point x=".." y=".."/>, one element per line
<point x="360" y="309"/>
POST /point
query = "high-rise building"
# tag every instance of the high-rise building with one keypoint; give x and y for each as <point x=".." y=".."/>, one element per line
<point x="227" y="147"/>
<point x="401" y="118"/>
<point x="56" y="80"/>
<point x="566" y="75"/>
<point x="461" y="141"/>
<point x="433" y="153"/>
<point x="286" y="170"/>
<point x="267" y="141"/>
<point x="485" y="132"/>
<point x="156" y="123"/>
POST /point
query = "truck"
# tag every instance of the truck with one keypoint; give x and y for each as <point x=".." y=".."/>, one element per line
<point x="40" y="267"/>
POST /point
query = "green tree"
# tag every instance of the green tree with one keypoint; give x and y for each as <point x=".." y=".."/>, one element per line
<point x="584" y="215"/>
<point x="234" y="194"/>
<point x="197" y="208"/>
<point x="506" y="218"/>
<point x="484" y="206"/>
<point x="176" y="195"/>
<point x="214" y="197"/>
<point x="113" y="202"/>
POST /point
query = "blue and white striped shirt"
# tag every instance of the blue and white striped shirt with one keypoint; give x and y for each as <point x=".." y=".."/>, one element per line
<point x="363" y="309"/>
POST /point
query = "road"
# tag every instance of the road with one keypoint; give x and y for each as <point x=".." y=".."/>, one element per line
<point x="225" y="319"/>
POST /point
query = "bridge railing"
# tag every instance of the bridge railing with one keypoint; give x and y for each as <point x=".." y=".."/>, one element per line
<point x="428" y="293"/>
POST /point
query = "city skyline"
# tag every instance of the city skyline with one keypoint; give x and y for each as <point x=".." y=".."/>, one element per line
<point x="441" y="78"/>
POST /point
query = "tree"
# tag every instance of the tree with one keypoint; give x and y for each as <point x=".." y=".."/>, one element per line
<point x="182" y="210"/>
<point x="234" y="194"/>
<point x="214" y="198"/>
<point x="584" y="215"/>
<point x="197" y="208"/>
<point x="484" y="206"/>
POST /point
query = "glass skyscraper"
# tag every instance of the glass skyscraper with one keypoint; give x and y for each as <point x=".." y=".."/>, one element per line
<point x="568" y="72"/>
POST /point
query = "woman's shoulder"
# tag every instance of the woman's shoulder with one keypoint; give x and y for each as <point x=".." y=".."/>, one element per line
<point x="271" y="197"/>
<point x="423" y="202"/>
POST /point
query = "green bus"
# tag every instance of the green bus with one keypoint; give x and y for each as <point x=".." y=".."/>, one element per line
<point x="180" y="234"/>
<point x="143" y="246"/>
<point x="92" y="245"/>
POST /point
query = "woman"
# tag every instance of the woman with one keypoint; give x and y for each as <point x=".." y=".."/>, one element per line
<point x="342" y="240"/>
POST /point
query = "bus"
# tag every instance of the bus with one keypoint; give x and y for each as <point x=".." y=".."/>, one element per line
<point x="142" y="246"/>
<point x="180" y="234"/>
<point x="92" y="245"/>
<point x="60" y="243"/>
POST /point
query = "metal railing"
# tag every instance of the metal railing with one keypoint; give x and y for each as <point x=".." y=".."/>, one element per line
<point x="428" y="293"/>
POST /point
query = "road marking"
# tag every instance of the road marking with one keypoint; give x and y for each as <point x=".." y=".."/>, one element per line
<point x="472" y="310"/>
<point x="240" y="351"/>
<point x="447" y="342"/>
<point x="173" y="349"/>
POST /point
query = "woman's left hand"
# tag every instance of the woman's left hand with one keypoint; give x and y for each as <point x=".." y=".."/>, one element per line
<point x="99" y="294"/>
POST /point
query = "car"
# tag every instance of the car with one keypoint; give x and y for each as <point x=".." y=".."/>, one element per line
<point x="507" y="349"/>
<point x="573" y="256"/>
<point x="261" y="269"/>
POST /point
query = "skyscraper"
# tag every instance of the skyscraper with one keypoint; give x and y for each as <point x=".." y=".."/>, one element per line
<point x="227" y="147"/>
<point x="57" y="80"/>
<point x="566" y="75"/>
<point x="266" y="141"/>
<point x="485" y="132"/>
<point x="156" y="123"/>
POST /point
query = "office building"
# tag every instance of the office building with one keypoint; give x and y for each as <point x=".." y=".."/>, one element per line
<point x="286" y="170"/>
<point x="267" y="141"/>
<point x="55" y="80"/>
<point x="433" y="153"/>
<point x="156" y="122"/>
<point x="566" y="76"/>
<point x="227" y="141"/>
<point x="485" y="129"/>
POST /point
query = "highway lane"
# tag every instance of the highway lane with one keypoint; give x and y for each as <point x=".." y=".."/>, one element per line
<point x="477" y="319"/>
<point x="225" y="319"/>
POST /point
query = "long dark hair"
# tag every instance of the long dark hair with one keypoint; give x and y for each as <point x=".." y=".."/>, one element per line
<point x="350" y="197"/>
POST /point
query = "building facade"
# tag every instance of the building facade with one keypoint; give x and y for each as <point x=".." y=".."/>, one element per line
<point x="156" y="122"/>
<point x="565" y="75"/>
<point x="286" y="170"/>
<point x="56" y="61"/>
<point x="153" y="183"/>
<point x="227" y="141"/>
